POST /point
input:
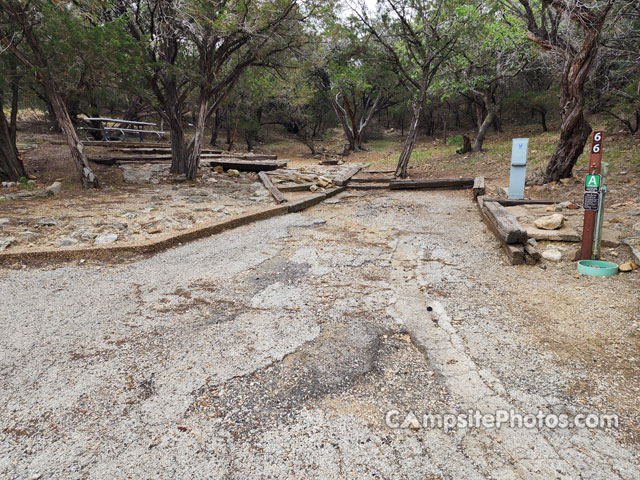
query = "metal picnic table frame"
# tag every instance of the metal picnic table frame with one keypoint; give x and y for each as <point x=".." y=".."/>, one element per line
<point x="120" y="129"/>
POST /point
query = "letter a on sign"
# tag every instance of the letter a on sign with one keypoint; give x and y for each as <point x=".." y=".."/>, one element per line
<point x="593" y="181"/>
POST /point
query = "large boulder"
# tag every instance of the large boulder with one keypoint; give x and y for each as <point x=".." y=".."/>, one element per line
<point x="550" y="222"/>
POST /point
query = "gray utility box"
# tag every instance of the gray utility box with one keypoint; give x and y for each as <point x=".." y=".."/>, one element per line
<point x="518" y="168"/>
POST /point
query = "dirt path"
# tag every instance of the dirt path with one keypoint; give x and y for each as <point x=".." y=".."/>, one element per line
<point x="278" y="350"/>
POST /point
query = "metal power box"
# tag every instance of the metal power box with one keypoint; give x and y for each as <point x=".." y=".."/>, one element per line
<point x="518" y="167"/>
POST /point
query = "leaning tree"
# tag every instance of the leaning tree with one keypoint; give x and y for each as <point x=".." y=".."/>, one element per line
<point x="23" y="33"/>
<point x="418" y="37"/>
<point x="570" y="30"/>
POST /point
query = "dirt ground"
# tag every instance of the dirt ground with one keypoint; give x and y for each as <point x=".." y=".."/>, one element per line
<point x="278" y="349"/>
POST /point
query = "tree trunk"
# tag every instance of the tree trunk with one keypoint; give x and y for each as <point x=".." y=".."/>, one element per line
<point x="403" y="161"/>
<point x="11" y="167"/>
<point x="215" y="128"/>
<point x="195" y="146"/>
<point x="87" y="177"/>
<point x="482" y="131"/>
<point x="575" y="129"/>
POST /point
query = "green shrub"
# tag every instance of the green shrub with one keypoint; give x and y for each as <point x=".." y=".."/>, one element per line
<point x="455" y="141"/>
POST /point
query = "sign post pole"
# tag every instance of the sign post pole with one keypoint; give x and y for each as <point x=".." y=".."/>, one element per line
<point x="591" y="196"/>
<point x="604" y="170"/>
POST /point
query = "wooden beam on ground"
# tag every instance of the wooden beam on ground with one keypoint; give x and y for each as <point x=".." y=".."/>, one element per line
<point x="372" y="172"/>
<point x="478" y="187"/>
<point x="504" y="224"/>
<point x="295" y="187"/>
<point x="427" y="183"/>
<point x="241" y="156"/>
<point x="246" y="166"/>
<point x="369" y="186"/>
<point x="507" y="202"/>
<point x="306" y="202"/>
<point x="158" y="150"/>
<point x="125" y="144"/>
<point x="268" y="184"/>
<point x="346" y="176"/>
<point x="371" y="179"/>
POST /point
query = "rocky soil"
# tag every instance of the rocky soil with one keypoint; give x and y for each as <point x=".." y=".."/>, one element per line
<point x="277" y="350"/>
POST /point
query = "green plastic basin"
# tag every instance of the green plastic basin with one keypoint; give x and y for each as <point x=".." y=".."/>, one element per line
<point x="597" y="268"/>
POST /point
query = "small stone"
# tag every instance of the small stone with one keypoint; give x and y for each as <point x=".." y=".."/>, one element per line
<point x="550" y="222"/>
<point x="233" y="172"/>
<point x="549" y="209"/>
<point x="565" y="181"/>
<point x="323" y="183"/>
<point x="130" y="215"/>
<point x="532" y="241"/>
<point x="542" y="266"/>
<point x="104" y="239"/>
<point x="5" y="242"/>
<point x="572" y="206"/>
<point x="575" y="254"/>
<point x="8" y="184"/>
<point x="47" y="222"/>
<point x="636" y="227"/>
<point x="313" y="188"/>
<point x="634" y="213"/>
<point x="154" y="231"/>
<point x="66" y="242"/>
<point x="4" y="221"/>
<point x="54" y="189"/>
<point x="552" y="255"/>
<point x="627" y="267"/>
<point x="502" y="192"/>
<point x="218" y="169"/>
<point x="615" y="220"/>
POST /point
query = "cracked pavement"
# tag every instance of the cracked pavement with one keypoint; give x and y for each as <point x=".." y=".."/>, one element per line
<point x="276" y="350"/>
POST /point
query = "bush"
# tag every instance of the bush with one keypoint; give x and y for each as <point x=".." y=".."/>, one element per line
<point x="455" y="141"/>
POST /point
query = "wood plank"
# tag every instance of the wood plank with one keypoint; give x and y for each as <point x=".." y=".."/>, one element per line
<point x="507" y="202"/>
<point x="505" y="225"/>
<point x="531" y="251"/>
<point x="246" y="166"/>
<point x="515" y="253"/>
<point x="306" y="202"/>
<point x="346" y="176"/>
<point x="431" y="183"/>
<point x="295" y="187"/>
<point x="368" y="186"/>
<point x="156" y="150"/>
<point x="114" y="144"/>
<point x="478" y="187"/>
<point x="357" y="179"/>
<point x="268" y="184"/>
<point x="373" y="172"/>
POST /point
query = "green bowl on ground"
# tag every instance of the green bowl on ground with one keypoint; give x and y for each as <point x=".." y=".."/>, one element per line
<point x="597" y="268"/>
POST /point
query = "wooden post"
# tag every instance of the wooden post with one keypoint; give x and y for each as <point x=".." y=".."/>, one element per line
<point x="590" y="216"/>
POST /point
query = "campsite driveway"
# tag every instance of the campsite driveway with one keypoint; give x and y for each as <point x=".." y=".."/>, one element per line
<point x="277" y="350"/>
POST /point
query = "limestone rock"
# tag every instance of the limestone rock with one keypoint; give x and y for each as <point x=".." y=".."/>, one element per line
<point x="233" y="172"/>
<point x="4" y="221"/>
<point x="66" y="242"/>
<point x="552" y="255"/>
<point x="54" y="189"/>
<point x="106" y="238"/>
<point x="627" y="267"/>
<point x="5" y="242"/>
<point x="550" y="222"/>
<point x="634" y="245"/>
<point x="564" y="234"/>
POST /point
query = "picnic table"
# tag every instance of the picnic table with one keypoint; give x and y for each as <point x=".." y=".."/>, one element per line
<point x="118" y="130"/>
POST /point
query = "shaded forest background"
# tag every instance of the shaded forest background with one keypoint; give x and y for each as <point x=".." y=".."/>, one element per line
<point x="221" y="72"/>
